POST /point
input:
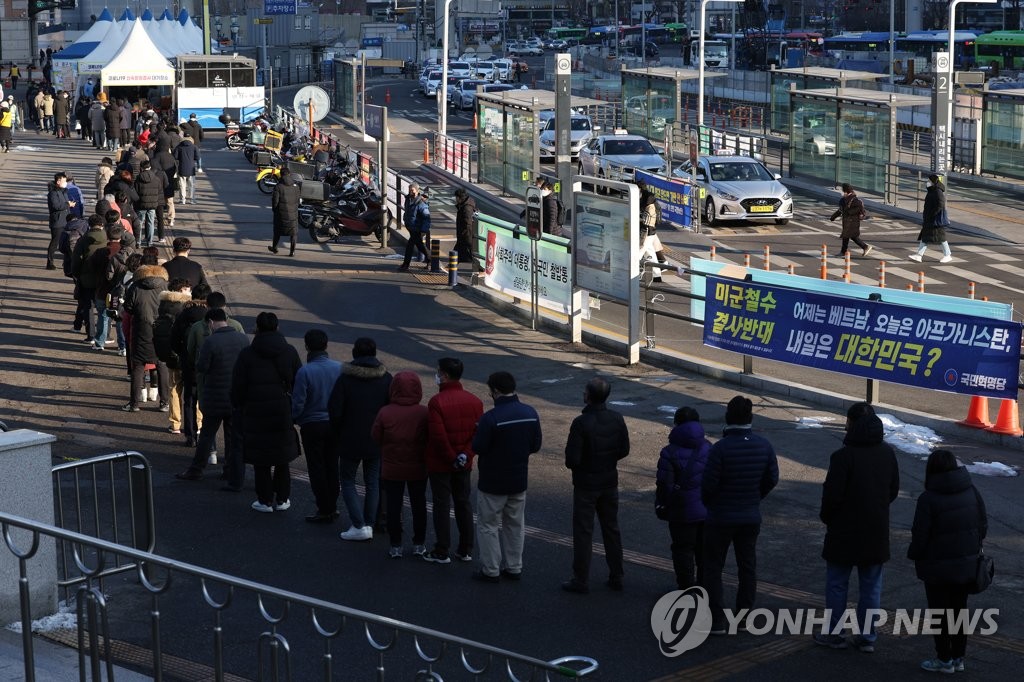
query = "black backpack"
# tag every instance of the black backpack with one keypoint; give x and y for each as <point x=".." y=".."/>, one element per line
<point x="162" y="328"/>
<point x="560" y="214"/>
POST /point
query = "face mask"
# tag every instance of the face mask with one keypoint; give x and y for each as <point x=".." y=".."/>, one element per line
<point x="437" y="379"/>
<point x="929" y="184"/>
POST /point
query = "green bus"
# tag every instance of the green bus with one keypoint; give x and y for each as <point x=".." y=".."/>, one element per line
<point x="565" y="33"/>
<point x="677" y="32"/>
<point x="1002" y="49"/>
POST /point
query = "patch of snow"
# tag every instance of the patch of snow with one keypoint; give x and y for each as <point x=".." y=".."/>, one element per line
<point x="914" y="440"/>
<point x="555" y="381"/>
<point x="992" y="469"/>
<point x="64" y="619"/>
<point x="813" y="422"/>
<point x="621" y="403"/>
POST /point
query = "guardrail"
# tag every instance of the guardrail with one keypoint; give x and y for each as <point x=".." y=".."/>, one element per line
<point x="473" y="658"/>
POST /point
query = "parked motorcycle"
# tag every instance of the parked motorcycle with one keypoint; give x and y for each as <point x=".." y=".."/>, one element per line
<point x="326" y="220"/>
<point x="237" y="135"/>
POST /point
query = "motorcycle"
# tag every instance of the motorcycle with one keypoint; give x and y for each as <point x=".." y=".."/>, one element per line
<point x="269" y="175"/>
<point x="238" y="135"/>
<point x="327" y="221"/>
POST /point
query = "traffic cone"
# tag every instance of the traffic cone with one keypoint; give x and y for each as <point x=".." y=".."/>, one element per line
<point x="474" y="120"/>
<point x="1008" y="421"/>
<point x="977" y="414"/>
<point x="426" y="151"/>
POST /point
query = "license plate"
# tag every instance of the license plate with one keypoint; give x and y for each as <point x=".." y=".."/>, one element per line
<point x="762" y="209"/>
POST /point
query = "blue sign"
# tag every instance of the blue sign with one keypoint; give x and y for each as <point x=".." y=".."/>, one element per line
<point x="673" y="196"/>
<point x="922" y="348"/>
<point x="377" y="41"/>
<point x="280" y="7"/>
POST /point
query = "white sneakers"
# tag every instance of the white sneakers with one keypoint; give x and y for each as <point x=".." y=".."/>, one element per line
<point x="358" y="534"/>
<point x="914" y="257"/>
<point x="153" y="394"/>
<point x="868" y="249"/>
<point x="945" y="259"/>
<point x="263" y="508"/>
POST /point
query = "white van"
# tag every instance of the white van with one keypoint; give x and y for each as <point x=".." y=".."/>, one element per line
<point x="716" y="53"/>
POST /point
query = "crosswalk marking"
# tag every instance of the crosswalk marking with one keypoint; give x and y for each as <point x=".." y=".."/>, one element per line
<point x="990" y="253"/>
<point x="968" y="275"/>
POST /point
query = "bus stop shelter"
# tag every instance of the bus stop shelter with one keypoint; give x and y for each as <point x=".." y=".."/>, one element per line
<point x="1003" y="133"/>
<point x="509" y="124"/>
<point x="848" y="134"/>
<point x="652" y="100"/>
<point x="811" y="78"/>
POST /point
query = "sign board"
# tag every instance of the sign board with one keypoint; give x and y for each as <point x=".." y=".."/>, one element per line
<point x="943" y="113"/>
<point x="280" y="7"/>
<point x="605" y="230"/>
<point x="970" y="78"/>
<point x="675" y="197"/>
<point x="930" y="349"/>
<point x="508" y="267"/>
<point x="534" y="215"/>
<point x="374" y="123"/>
<point x="263" y="21"/>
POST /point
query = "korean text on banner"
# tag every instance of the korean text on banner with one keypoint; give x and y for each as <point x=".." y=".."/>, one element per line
<point x="872" y="339"/>
<point x="673" y="196"/>
<point x="508" y="270"/>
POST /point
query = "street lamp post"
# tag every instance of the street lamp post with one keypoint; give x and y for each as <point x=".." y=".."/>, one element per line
<point x="951" y="48"/>
<point x="700" y="57"/>
<point x="442" y="89"/>
<point x="234" y="32"/>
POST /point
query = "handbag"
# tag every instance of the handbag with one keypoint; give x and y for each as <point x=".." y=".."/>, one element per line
<point x="942" y="218"/>
<point x="984" y="571"/>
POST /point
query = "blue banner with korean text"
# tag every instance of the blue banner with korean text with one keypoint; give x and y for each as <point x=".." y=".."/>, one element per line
<point x="271" y="7"/>
<point x="674" y="196"/>
<point x="872" y="339"/>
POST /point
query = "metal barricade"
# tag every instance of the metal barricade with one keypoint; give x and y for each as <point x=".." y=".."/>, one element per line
<point x="309" y="635"/>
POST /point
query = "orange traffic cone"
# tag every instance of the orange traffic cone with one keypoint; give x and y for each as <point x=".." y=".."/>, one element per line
<point x="1008" y="421"/>
<point x="474" y="120"/>
<point x="426" y="151"/>
<point x="977" y="414"/>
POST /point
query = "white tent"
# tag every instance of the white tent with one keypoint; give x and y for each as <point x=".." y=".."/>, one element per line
<point x="138" y="62"/>
<point x="111" y="43"/>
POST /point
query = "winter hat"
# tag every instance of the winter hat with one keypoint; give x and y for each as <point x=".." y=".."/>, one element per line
<point x="739" y="411"/>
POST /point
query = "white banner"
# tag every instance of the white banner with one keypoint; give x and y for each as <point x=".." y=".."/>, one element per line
<point x="508" y="270"/>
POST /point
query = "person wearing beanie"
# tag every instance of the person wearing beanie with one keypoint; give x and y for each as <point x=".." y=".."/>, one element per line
<point x="741" y="470"/>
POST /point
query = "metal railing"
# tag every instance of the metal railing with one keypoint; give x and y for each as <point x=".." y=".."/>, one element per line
<point x="474" y="658"/>
<point x="108" y="497"/>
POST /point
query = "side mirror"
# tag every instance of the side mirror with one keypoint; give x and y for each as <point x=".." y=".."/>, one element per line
<point x="778" y="177"/>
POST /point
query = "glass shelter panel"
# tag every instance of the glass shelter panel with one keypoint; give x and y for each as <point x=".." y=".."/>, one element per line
<point x="780" y="101"/>
<point x="1004" y="137"/>
<point x="491" y="139"/>
<point x="519" y="151"/>
<point x="813" y="136"/>
<point x="863" y="148"/>
<point x="344" y="88"/>
<point x="649" y="106"/>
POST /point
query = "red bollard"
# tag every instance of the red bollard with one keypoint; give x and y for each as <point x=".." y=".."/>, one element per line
<point x="970" y="290"/>
<point x="387" y="96"/>
<point x="767" y="257"/>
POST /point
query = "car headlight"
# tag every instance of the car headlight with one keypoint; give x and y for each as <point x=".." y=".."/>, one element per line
<point x="787" y="196"/>
<point x="727" y="196"/>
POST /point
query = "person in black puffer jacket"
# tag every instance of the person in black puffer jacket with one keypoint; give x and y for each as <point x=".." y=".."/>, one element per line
<point x="742" y="469"/>
<point x="261" y="387"/>
<point x="149" y="185"/>
<point x="598" y="439"/>
<point x="172" y="302"/>
<point x="192" y="312"/>
<point x="142" y="300"/>
<point x="949" y="526"/>
<point x="677" y="500"/>
<point x="862" y="481"/>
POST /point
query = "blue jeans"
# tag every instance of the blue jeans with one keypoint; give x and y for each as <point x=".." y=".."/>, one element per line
<point x="103" y="326"/>
<point x="147" y="216"/>
<point x="837" y="583"/>
<point x="367" y="515"/>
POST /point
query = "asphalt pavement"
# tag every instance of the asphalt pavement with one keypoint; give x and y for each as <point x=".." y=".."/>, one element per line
<point x="53" y="383"/>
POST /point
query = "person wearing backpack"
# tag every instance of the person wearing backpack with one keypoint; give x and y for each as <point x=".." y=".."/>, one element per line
<point x="650" y="217"/>
<point x="677" y="499"/>
<point x="172" y="302"/>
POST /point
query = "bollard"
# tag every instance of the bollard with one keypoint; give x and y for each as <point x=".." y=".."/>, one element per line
<point x="474" y="120"/>
<point x="746" y="260"/>
<point x="426" y="151"/>
<point x="847" y="267"/>
<point x="824" y="262"/>
<point x="984" y="298"/>
<point x="910" y="287"/>
<point x="920" y="281"/>
<point x="533" y="83"/>
<point x="970" y="290"/>
<point x="435" y="255"/>
<point x="881" y="274"/>
<point x="712" y="252"/>
<point x="453" y="268"/>
<point x="767" y="257"/>
<point x="387" y="96"/>
<point x="791" y="269"/>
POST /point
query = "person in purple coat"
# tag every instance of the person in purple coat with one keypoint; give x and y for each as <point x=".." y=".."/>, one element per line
<point x="677" y="499"/>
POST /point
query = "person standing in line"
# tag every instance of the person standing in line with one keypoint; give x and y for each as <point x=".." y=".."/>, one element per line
<point x="400" y="430"/>
<point x="37" y="104"/>
<point x="851" y="210"/>
<point x="59" y="206"/>
<point x="549" y="209"/>
<point x="934" y="221"/>
<point x="363" y="387"/>
<point x="465" y="208"/>
<point x="285" y="205"/>
<point x="149" y="187"/>
<point x="124" y="113"/>
<point x="505" y="438"/>
<point x="416" y="216"/>
<point x="862" y="481"/>
<point x="677" y="497"/>
<point x="214" y="370"/>
<point x="261" y="382"/>
<point x="183" y="266"/>
<point x="48" y="113"/>
<point x="6" y="125"/>
<point x="186" y="155"/>
<point x="453" y="414"/>
<point x="741" y="470"/>
<point x="142" y="301"/>
<point x="313" y="385"/>
<point x="598" y="439"/>
<point x="950" y="523"/>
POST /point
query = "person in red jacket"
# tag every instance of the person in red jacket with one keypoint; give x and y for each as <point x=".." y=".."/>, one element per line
<point x="400" y="430"/>
<point x="452" y="417"/>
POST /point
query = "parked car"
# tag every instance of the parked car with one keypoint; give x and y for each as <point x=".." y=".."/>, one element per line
<point x="463" y="95"/>
<point x="556" y="45"/>
<point x="486" y="70"/>
<point x="461" y="69"/>
<point x="739" y="188"/>
<point x="581" y="129"/>
<point x="617" y="156"/>
<point x="428" y="74"/>
<point x="504" y="68"/>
